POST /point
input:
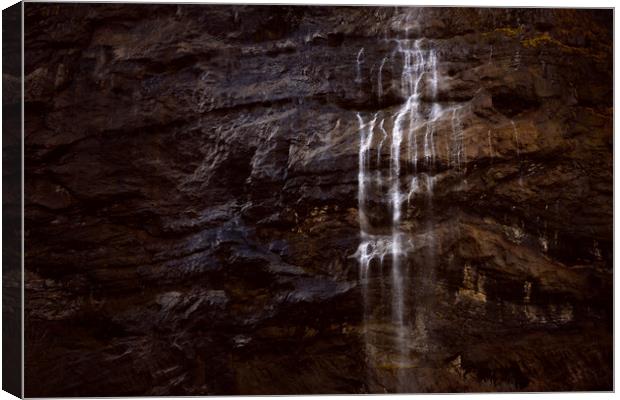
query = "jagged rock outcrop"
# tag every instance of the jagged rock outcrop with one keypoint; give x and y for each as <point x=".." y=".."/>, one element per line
<point x="192" y="201"/>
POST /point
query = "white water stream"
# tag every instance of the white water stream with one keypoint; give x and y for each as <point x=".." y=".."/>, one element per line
<point x="411" y="131"/>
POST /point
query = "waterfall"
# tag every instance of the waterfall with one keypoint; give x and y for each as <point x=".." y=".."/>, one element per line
<point x="380" y="78"/>
<point x="360" y="61"/>
<point x="457" y="140"/>
<point x="419" y="76"/>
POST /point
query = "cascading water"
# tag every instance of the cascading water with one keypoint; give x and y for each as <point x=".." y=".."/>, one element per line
<point x="360" y="60"/>
<point x="410" y="129"/>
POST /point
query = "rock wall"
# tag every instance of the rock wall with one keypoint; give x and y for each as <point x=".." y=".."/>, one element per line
<point x="192" y="201"/>
<point x="12" y="200"/>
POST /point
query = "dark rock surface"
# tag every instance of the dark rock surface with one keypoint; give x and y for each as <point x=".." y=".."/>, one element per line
<point x="12" y="198"/>
<point x="191" y="201"/>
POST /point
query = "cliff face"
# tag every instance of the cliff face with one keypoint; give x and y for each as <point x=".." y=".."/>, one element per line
<point x="213" y="204"/>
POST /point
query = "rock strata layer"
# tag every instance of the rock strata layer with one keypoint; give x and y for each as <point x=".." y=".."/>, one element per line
<point x="191" y="201"/>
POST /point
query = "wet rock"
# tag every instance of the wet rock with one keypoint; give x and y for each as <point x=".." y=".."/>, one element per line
<point x="192" y="217"/>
